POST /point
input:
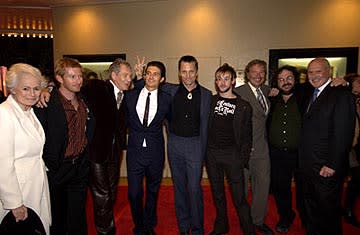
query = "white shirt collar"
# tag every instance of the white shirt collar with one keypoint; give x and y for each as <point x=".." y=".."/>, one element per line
<point x="254" y="89"/>
<point x="116" y="89"/>
<point x="153" y="93"/>
<point x="323" y="86"/>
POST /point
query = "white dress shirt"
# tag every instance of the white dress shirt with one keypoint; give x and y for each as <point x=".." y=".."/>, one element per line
<point x="253" y="89"/>
<point x="140" y="106"/>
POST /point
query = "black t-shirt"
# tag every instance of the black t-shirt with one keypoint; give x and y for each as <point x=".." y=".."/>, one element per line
<point x="221" y="133"/>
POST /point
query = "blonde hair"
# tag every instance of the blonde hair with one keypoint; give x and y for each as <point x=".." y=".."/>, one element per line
<point x="20" y="71"/>
<point x="66" y="62"/>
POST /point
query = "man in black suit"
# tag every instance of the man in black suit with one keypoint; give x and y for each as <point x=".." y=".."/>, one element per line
<point x="68" y="126"/>
<point x="325" y="140"/>
<point x="228" y="150"/>
<point x="146" y="110"/>
<point x="106" y="149"/>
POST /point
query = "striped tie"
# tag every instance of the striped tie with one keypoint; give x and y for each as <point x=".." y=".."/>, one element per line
<point x="260" y="98"/>
<point x="119" y="99"/>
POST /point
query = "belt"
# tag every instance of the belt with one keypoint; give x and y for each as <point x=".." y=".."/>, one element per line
<point x="73" y="159"/>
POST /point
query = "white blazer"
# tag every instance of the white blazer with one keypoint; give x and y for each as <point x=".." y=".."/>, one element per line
<point x="23" y="178"/>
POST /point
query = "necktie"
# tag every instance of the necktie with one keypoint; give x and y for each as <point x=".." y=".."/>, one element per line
<point x="314" y="96"/>
<point x="146" y="113"/>
<point x="260" y="98"/>
<point x="119" y="99"/>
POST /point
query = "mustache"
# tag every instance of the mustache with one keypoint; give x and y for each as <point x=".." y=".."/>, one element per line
<point x="287" y="84"/>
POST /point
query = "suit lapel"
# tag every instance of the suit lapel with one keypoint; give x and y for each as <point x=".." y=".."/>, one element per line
<point x="319" y="100"/>
<point x="111" y="91"/>
<point x="252" y="98"/>
<point x="159" y="106"/>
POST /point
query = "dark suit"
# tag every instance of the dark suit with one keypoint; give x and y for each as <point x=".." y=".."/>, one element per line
<point x="145" y="161"/>
<point x="325" y="140"/>
<point x="259" y="164"/>
<point x="231" y="161"/>
<point x="105" y="150"/>
<point x="67" y="180"/>
<point x="186" y="156"/>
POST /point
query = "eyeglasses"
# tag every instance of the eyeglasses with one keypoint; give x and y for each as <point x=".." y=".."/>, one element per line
<point x="289" y="78"/>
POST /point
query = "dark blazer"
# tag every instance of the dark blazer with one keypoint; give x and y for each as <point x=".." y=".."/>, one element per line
<point x="242" y="126"/>
<point x="154" y="132"/>
<point x="54" y="122"/>
<point x="110" y="122"/>
<point x="205" y="96"/>
<point x="327" y="131"/>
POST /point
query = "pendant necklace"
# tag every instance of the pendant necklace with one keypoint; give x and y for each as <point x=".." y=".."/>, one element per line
<point x="189" y="96"/>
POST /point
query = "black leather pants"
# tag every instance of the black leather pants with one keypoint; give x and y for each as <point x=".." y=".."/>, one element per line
<point x="104" y="179"/>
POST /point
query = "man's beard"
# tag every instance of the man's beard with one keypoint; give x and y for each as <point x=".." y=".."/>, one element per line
<point x="226" y="90"/>
<point x="287" y="92"/>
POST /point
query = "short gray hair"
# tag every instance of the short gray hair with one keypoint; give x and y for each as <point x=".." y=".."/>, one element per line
<point x="19" y="71"/>
<point x="115" y="66"/>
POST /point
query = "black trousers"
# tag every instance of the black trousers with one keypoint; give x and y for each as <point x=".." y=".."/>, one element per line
<point x="68" y="188"/>
<point x="104" y="179"/>
<point x="322" y="203"/>
<point x="283" y="169"/>
<point x="144" y="166"/>
<point x="225" y="162"/>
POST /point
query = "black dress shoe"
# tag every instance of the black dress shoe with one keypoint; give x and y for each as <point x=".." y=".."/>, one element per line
<point x="185" y="233"/>
<point x="150" y="231"/>
<point x="264" y="229"/>
<point x="284" y="224"/>
<point x="282" y="227"/>
<point x="215" y="233"/>
<point x="350" y="218"/>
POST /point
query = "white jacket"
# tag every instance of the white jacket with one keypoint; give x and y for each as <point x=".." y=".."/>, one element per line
<point x="23" y="177"/>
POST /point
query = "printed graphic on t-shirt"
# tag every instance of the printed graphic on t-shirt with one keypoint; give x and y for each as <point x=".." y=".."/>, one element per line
<point x="224" y="107"/>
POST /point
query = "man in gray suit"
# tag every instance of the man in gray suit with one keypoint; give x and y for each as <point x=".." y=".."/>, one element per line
<point x="255" y="92"/>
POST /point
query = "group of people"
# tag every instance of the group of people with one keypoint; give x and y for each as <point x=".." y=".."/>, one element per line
<point x="77" y="138"/>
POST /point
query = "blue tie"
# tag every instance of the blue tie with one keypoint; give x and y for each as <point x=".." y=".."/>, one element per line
<point x="316" y="92"/>
<point x="314" y="96"/>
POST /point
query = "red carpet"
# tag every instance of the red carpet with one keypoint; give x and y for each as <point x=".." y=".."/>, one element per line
<point x="167" y="221"/>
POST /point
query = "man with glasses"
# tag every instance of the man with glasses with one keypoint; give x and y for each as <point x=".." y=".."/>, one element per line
<point x="284" y="123"/>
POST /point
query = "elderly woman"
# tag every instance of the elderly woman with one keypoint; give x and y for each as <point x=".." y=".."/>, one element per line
<point x="23" y="180"/>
